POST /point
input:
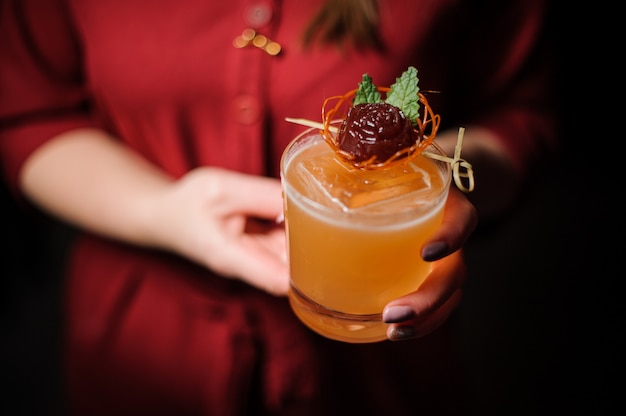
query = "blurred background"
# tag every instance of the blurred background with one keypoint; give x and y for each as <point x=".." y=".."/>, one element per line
<point x="540" y="328"/>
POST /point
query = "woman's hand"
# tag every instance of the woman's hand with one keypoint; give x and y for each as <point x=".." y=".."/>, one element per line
<point x="217" y="218"/>
<point x="421" y="312"/>
<point x="226" y="221"/>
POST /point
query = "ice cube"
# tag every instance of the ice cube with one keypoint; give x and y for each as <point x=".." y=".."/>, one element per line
<point x="336" y="184"/>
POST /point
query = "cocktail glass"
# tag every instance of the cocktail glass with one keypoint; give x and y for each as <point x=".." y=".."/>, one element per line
<point x="355" y="235"/>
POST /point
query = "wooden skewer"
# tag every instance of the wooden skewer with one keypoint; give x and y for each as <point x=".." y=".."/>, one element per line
<point x="310" y="123"/>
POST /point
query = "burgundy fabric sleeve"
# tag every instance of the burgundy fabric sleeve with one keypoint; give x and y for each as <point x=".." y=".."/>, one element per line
<point x="42" y="92"/>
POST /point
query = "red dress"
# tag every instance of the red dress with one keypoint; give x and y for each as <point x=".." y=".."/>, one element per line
<point x="150" y="333"/>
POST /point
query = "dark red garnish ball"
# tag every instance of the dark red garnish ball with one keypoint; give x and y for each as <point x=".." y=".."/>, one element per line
<point x="378" y="129"/>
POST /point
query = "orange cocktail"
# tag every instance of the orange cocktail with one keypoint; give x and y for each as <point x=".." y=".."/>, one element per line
<point x="355" y="236"/>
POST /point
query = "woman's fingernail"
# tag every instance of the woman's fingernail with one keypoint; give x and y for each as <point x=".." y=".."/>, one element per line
<point x="394" y="314"/>
<point x="401" y="333"/>
<point x="434" y="251"/>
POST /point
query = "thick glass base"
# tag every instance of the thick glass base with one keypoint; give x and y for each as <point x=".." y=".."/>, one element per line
<point x="337" y="325"/>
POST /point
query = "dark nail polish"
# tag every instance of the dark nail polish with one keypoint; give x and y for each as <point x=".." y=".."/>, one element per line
<point x="395" y="314"/>
<point x="434" y="251"/>
<point x="401" y="333"/>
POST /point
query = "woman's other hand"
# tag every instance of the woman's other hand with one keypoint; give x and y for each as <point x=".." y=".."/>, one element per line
<point x="423" y="311"/>
<point x="217" y="218"/>
<point x="226" y="221"/>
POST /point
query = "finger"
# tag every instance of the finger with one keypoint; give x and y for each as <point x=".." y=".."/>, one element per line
<point x="250" y="250"/>
<point x="265" y="265"/>
<point x="255" y="196"/>
<point x="459" y="221"/>
<point x="418" y="328"/>
<point x="446" y="277"/>
<point x="423" y="311"/>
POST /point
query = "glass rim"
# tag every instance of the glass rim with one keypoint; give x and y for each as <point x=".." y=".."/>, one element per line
<point x="333" y="215"/>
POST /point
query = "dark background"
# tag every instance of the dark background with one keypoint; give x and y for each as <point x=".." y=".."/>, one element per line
<point x="540" y="328"/>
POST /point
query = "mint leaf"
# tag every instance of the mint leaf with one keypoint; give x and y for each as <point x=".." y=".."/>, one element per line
<point x="403" y="94"/>
<point x="367" y="93"/>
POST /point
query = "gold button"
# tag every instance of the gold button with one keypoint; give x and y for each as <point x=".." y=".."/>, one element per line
<point x="248" y="34"/>
<point x="272" y="48"/>
<point x="259" y="41"/>
<point x="240" y="42"/>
